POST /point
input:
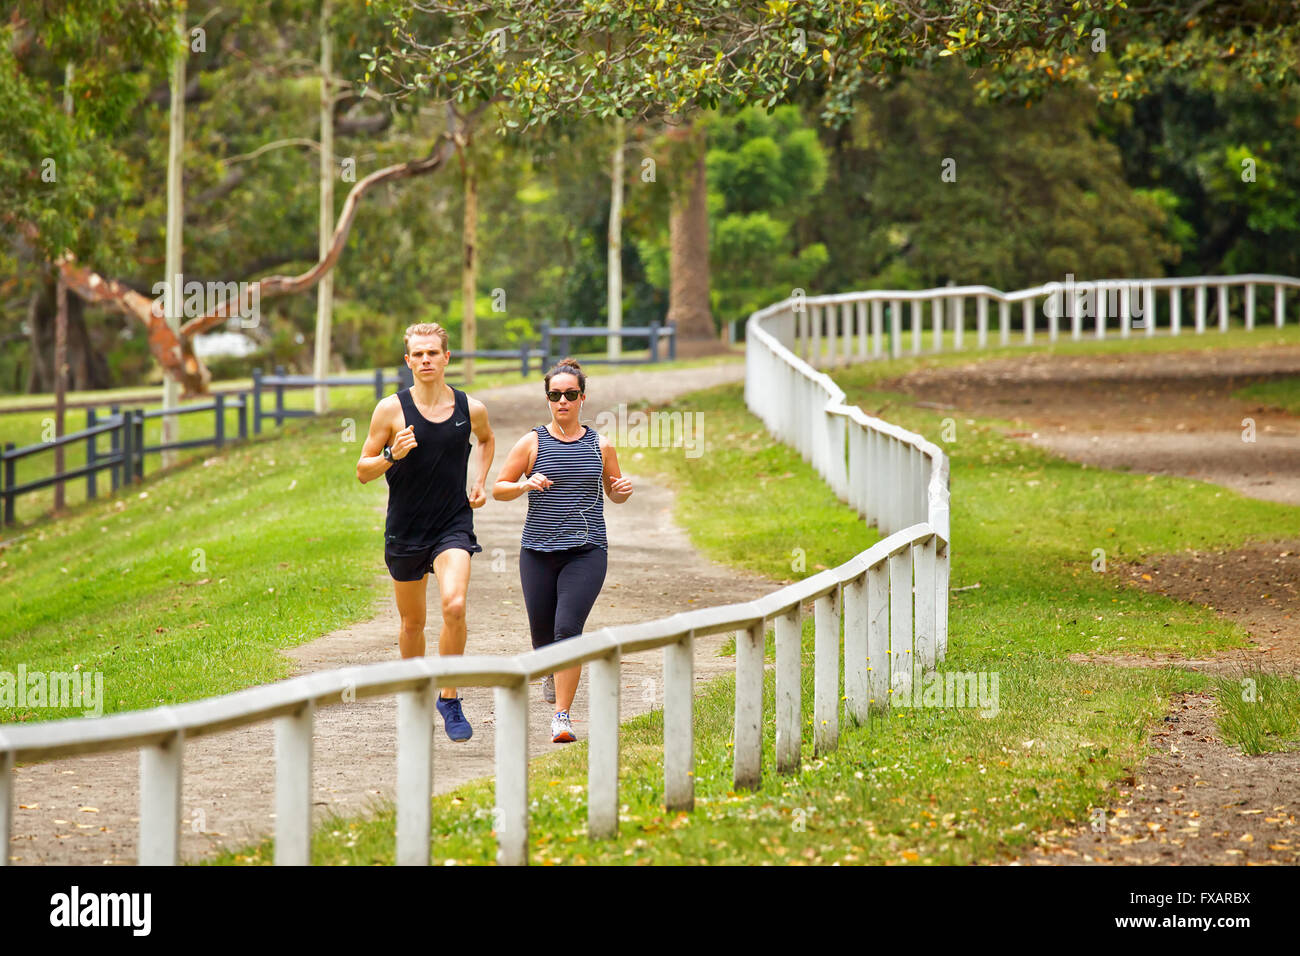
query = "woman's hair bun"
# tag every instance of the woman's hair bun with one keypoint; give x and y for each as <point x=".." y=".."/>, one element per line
<point x="565" y="366"/>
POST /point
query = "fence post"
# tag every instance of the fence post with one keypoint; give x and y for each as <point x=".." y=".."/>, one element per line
<point x="127" y="464"/>
<point x="1223" y="307"/>
<point x="91" y="490"/>
<point x="279" y="397"/>
<point x="546" y="346"/>
<point x="654" y="341"/>
<point x="512" y="774"/>
<point x="925" y="605"/>
<point x="379" y="384"/>
<point x="788" y="651"/>
<point x="160" y="802"/>
<point x="671" y="332"/>
<point x="1279" y="305"/>
<point x="826" y="673"/>
<point x="748" y="749"/>
<point x="114" y="446"/>
<point x="8" y="487"/>
<point x="405" y="377"/>
<point x="139" y="443"/>
<point x="6" y="803"/>
<point x="878" y="635"/>
<point x="941" y="572"/>
<point x="414" y="773"/>
<point x="602" y="750"/>
<point x="679" y="733"/>
<point x="293" y="787"/>
<point x="219" y="435"/>
<point x="523" y="360"/>
<point x="243" y="416"/>
<point x="857" y="684"/>
<point x="900" y="624"/>
<point x="257" y="401"/>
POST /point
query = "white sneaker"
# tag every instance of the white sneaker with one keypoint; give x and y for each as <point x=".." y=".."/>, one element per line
<point x="561" y="729"/>
<point x="548" y="688"/>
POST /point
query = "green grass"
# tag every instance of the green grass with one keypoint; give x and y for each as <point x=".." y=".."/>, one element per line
<point x="189" y="585"/>
<point x="1259" y="711"/>
<point x="1282" y="393"/>
<point x="926" y="785"/>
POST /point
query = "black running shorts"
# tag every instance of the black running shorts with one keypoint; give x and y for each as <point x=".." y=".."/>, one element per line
<point x="413" y="562"/>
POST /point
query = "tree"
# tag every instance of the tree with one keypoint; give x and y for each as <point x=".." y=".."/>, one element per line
<point x="932" y="186"/>
<point x="765" y="172"/>
<point x="688" y="229"/>
<point x="531" y="62"/>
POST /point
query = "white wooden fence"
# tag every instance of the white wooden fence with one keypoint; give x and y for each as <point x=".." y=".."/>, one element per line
<point x="838" y="329"/>
<point x="891" y="601"/>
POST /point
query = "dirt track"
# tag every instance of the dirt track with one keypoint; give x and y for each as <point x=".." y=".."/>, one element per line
<point x="83" y="810"/>
<point x="1196" y="799"/>
<point x="1166" y="413"/>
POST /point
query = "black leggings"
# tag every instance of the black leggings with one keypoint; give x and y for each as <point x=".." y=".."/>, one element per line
<point x="560" y="588"/>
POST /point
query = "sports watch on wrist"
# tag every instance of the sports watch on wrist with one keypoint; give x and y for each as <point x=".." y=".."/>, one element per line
<point x="388" y="454"/>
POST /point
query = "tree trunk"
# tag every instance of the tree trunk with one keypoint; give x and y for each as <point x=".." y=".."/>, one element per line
<point x="688" y="294"/>
<point x="171" y="425"/>
<point x="614" y="292"/>
<point x="87" y="368"/>
<point x="469" y="270"/>
<point x="325" y="291"/>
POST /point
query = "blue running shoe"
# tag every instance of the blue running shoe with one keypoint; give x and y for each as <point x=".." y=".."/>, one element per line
<point x="458" y="728"/>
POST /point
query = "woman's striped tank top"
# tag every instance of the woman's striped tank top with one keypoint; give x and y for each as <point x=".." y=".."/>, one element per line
<point x="570" y="513"/>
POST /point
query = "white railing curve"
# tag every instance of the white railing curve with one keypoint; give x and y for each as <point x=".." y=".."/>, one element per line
<point x="891" y="601"/>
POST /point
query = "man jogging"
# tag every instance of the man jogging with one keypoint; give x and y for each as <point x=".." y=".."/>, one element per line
<point x="419" y="441"/>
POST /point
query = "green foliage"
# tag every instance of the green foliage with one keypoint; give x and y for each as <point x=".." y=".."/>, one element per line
<point x="1225" y="154"/>
<point x="931" y="186"/>
<point x="648" y="58"/>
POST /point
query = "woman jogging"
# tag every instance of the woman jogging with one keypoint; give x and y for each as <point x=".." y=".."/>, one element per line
<point x="562" y="559"/>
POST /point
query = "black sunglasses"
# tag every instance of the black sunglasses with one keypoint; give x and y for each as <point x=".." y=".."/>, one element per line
<point x="571" y="394"/>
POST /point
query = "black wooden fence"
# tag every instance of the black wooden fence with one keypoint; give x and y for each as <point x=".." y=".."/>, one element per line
<point x="125" y="430"/>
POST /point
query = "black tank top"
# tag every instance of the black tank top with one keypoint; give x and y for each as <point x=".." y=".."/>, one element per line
<point x="426" y="489"/>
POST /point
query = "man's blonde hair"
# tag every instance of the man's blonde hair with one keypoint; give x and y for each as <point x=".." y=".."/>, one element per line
<point x="424" y="328"/>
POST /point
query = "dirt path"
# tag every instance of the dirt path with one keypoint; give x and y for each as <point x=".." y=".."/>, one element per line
<point x="83" y="810"/>
<point x="1195" y="799"/>
<point x="1164" y="413"/>
<point x="1168" y="413"/>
